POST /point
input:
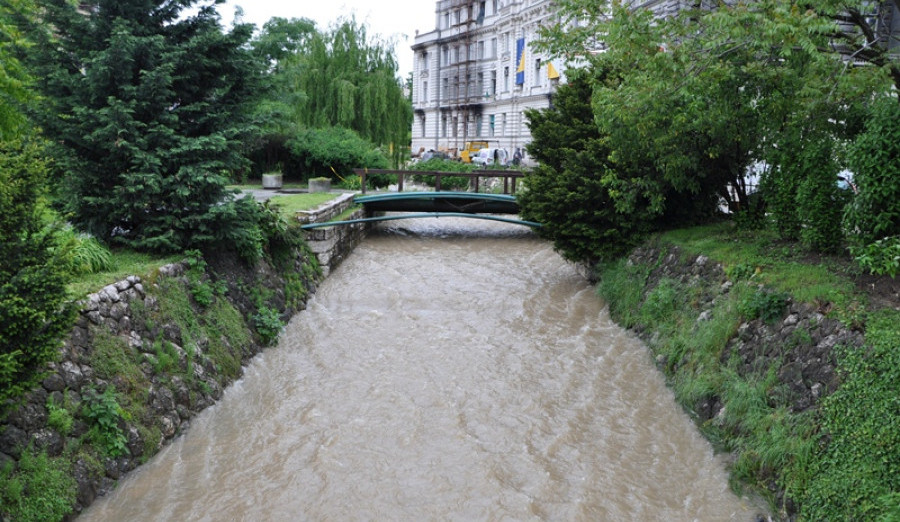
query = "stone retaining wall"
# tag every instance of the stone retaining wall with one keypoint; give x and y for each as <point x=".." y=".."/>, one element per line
<point x="118" y="314"/>
<point x="331" y="245"/>
<point x="126" y="318"/>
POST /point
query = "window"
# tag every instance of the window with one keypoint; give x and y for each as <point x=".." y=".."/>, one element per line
<point x="479" y="86"/>
<point x="503" y="124"/>
<point x="481" y="50"/>
<point x="443" y="125"/>
<point x="446" y="57"/>
<point x="456" y="87"/>
<point x="455" y="125"/>
<point x="537" y="72"/>
<point x="422" y="123"/>
<point x="423" y="96"/>
<point x="456" y="54"/>
<point x="456" y="17"/>
<point x="505" y="79"/>
<point x="445" y="93"/>
<point x="478" y="125"/>
<point x="424" y="60"/>
<point x="493" y="48"/>
<point x="494" y="6"/>
<point x="490" y="126"/>
<point x="468" y="85"/>
<point x="493" y="90"/>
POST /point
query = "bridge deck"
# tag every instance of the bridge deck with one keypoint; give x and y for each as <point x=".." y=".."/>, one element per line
<point x="456" y="202"/>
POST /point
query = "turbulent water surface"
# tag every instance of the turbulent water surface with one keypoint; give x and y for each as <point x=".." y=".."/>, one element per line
<point x="449" y="370"/>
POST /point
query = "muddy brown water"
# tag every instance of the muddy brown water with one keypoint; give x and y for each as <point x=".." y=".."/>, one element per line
<point x="449" y="369"/>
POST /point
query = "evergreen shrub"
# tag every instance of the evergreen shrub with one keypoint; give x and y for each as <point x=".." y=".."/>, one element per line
<point x="35" y="311"/>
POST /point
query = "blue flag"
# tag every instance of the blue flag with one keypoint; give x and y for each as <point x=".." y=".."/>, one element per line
<point x="520" y="61"/>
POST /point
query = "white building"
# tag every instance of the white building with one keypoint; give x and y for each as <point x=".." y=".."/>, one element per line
<point x="476" y="73"/>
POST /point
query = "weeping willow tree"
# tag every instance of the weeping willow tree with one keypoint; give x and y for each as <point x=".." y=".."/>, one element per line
<point x="350" y="80"/>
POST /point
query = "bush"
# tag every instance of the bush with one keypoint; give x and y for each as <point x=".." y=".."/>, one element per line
<point x="34" y="269"/>
<point x="443" y="165"/>
<point x="820" y="203"/>
<point x="268" y="325"/>
<point x="881" y="257"/>
<point x="41" y="489"/>
<point x="874" y="158"/>
<point x="780" y="184"/>
<point x="763" y="304"/>
<point x="331" y="152"/>
<point x="104" y="412"/>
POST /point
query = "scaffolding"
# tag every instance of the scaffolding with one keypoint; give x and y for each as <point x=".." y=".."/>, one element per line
<point x="460" y="103"/>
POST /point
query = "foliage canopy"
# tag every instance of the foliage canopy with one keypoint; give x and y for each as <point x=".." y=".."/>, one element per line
<point x="335" y="78"/>
<point x="147" y="107"/>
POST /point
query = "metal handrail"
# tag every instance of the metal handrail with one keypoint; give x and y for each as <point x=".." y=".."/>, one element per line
<point x="509" y="177"/>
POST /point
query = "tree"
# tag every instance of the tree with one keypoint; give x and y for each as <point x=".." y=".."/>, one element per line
<point x="281" y="38"/>
<point x="569" y="192"/>
<point x="34" y="307"/>
<point x="14" y="79"/>
<point x="863" y="31"/>
<point x="706" y="94"/>
<point x="148" y="107"/>
<point x="338" y="78"/>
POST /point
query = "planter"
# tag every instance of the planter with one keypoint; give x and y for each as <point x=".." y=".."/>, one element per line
<point x="271" y="181"/>
<point x="319" y="185"/>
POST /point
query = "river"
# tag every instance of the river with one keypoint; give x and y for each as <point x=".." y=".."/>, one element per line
<point x="449" y="369"/>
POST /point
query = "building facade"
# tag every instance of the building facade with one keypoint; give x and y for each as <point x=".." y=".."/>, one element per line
<point x="476" y="73"/>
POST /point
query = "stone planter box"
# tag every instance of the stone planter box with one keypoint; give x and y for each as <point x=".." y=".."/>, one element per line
<point x="272" y="181"/>
<point x="319" y="185"/>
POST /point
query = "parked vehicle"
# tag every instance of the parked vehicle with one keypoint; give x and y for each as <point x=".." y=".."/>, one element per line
<point x="492" y="156"/>
<point x="435" y="154"/>
<point x="471" y="149"/>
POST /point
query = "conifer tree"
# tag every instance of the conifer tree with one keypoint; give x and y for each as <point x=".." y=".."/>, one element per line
<point x="147" y="107"/>
<point x="13" y="77"/>
<point x="35" y="311"/>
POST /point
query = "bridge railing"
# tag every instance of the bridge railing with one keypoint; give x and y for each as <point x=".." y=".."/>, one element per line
<point x="509" y="177"/>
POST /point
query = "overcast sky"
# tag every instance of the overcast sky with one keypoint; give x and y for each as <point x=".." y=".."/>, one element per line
<point x="396" y="20"/>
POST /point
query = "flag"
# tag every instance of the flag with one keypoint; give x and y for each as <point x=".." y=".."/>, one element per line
<point x="551" y="71"/>
<point x="520" y="61"/>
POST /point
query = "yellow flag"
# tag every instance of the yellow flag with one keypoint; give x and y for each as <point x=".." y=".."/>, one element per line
<point x="551" y="71"/>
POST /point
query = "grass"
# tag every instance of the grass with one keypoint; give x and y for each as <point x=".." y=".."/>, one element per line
<point x="258" y="185"/>
<point x="346" y="213"/>
<point x="123" y="263"/>
<point x="773" y="264"/>
<point x="42" y="488"/>
<point x="839" y="462"/>
<point x="289" y="205"/>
